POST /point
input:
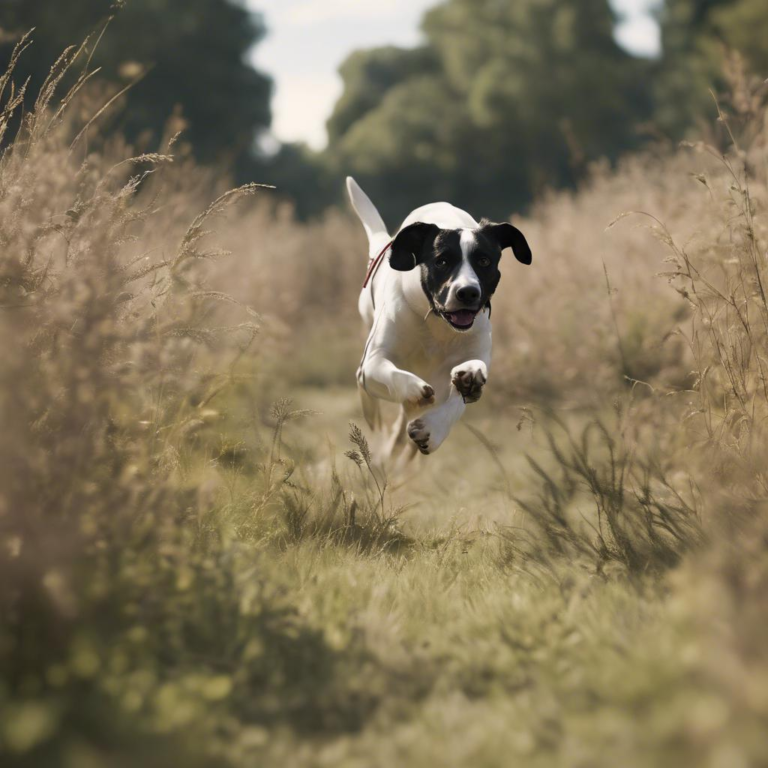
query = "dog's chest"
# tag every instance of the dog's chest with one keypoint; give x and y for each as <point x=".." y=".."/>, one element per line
<point x="422" y="351"/>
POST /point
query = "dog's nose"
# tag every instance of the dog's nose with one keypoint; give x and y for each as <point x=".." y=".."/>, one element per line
<point x="468" y="294"/>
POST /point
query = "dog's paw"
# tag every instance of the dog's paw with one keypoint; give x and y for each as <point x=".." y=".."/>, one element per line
<point x="418" y="431"/>
<point x="427" y="432"/>
<point x="469" y="379"/>
<point x="414" y="391"/>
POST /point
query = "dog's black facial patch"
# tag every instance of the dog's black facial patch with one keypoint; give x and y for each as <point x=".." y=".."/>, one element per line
<point x="459" y="268"/>
<point x="459" y="275"/>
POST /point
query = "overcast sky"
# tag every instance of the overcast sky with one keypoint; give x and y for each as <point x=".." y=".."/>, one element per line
<point x="308" y="39"/>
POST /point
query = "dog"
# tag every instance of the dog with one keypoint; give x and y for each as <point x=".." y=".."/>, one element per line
<point x="426" y="306"/>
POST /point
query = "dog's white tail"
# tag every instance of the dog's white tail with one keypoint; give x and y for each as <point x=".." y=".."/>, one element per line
<point x="372" y="221"/>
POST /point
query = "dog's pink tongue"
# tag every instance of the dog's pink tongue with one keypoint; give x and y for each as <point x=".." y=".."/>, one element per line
<point x="462" y="318"/>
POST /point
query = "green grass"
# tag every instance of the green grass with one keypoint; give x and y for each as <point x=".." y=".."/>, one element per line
<point x="432" y="641"/>
<point x="438" y="645"/>
<point x="422" y="635"/>
<point x="458" y="651"/>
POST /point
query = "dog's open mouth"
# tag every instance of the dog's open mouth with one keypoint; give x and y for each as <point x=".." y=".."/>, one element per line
<point x="462" y="319"/>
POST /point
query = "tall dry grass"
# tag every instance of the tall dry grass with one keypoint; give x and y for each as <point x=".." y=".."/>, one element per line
<point x="142" y="461"/>
<point x="115" y="350"/>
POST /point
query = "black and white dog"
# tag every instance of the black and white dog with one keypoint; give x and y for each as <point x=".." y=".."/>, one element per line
<point x="427" y="309"/>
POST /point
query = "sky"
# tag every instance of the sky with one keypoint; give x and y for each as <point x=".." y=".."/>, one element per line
<point x="308" y="39"/>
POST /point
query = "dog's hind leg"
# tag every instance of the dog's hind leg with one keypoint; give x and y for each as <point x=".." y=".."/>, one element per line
<point x="400" y="449"/>
<point x="403" y="467"/>
<point x="371" y="409"/>
<point x="397" y="437"/>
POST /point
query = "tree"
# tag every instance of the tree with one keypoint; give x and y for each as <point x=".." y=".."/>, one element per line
<point x="505" y="98"/>
<point x="696" y="36"/>
<point x="192" y="54"/>
<point x="368" y="75"/>
<point x="743" y="26"/>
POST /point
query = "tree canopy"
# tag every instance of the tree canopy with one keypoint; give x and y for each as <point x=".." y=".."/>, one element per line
<point x="504" y="99"/>
<point x="696" y="36"/>
<point x="193" y="54"/>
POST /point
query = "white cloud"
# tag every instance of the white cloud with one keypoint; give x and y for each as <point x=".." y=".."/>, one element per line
<point x="635" y="7"/>
<point x="301" y="106"/>
<point x="319" y="11"/>
<point x="305" y="12"/>
<point x="640" y="36"/>
<point x="637" y="31"/>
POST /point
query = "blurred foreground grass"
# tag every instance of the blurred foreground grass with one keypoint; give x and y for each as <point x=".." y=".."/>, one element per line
<point x="192" y="571"/>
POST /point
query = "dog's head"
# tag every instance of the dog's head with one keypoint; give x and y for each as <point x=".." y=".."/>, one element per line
<point x="459" y="267"/>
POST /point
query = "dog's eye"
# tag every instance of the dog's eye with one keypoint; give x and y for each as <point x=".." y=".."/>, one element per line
<point x="484" y="261"/>
<point x="441" y="263"/>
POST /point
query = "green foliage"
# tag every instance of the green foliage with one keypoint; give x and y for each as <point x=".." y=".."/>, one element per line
<point x="369" y="75"/>
<point x="186" y="53"/>
<point x="505" y="100"/>
<point x="301" y="176"/>
<point x="743" y="26"/>
<point x="697" y="36"/>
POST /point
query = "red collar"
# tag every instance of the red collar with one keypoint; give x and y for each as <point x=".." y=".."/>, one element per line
<point x="373" y="265"/>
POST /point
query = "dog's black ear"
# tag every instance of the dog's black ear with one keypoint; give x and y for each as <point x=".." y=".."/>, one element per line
<point x="408" y="246"/>
<point x="508" y="236"/>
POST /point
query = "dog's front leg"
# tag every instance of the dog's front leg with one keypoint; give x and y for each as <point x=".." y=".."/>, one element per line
<point x="430" y="429"/>
<point x="381" y="378"/>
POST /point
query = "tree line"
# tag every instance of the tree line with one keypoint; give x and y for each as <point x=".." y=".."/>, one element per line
<point x="503" y="99"/>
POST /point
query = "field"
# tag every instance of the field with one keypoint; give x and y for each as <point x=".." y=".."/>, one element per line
<point x="200" y="566"/>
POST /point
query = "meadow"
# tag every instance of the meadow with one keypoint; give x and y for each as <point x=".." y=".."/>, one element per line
<point x="199" y="564"/>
